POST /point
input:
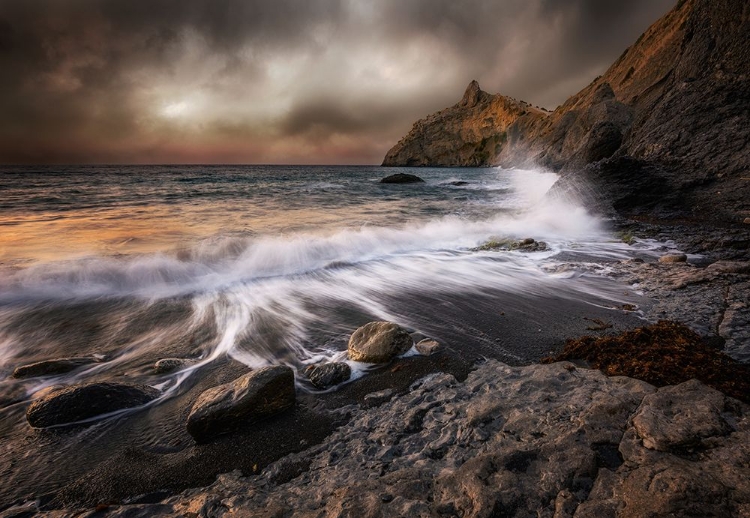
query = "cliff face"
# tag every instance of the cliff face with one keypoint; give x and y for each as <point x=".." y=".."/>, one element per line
<point x="470" y="133"/>
<point x="669" y="121"/>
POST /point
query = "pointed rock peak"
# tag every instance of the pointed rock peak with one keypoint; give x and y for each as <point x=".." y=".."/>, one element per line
<point x="471" y="95"/>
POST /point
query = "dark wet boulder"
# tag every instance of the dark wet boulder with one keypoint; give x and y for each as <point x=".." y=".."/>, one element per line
<point x="81" y="402"/>
<point x="402" y="178"/>
<point x="379" y="342"/>
<point x="52" y="367"/>
<point x="325" y="375"/>
<point x="459" y="183"/>
<point x="250" y="398"/>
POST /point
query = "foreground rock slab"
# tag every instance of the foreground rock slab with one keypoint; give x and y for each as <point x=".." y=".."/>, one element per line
<point x="543" y="440"/>
<point x="85" y="401"/>
<point x="252" y="397"/>
<point x="378" y="342"/>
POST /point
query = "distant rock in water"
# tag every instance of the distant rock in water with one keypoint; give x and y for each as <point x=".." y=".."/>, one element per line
<point x="252" y="397"/>
<point x="51" y="367"/>
<point x="81" y="402"/>
<point x="379" y="342"/>
<point x="402" y="178"/>
<point x="326" y="375"/>
<point x="665" y="127"/>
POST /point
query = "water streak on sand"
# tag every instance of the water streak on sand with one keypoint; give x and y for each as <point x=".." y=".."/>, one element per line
<point x="292" y="296"/>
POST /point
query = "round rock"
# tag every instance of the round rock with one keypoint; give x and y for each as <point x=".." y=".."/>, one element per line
<point x="80" y="402"/>
<point x="250" y="398"/>
<point x="378" y="342"/>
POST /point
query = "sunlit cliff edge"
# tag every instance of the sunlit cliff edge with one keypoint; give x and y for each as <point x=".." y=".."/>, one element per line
<point x="667" y="126"/>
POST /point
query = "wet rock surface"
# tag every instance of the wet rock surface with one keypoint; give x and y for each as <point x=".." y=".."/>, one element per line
<point x="543" y="440"/>
<point x="378" y="342"/>
<point x="82" y="402"/>
<point x="524" y="245"/>
<point x="326" y="375"/>
<point x="167" y="365"/>
<point x="52" y="367"/>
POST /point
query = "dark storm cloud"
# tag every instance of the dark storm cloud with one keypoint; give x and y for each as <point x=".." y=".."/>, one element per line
<point x="118" y="80"/>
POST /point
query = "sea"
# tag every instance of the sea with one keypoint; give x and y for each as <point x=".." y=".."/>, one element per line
<point x="263" y="265"/>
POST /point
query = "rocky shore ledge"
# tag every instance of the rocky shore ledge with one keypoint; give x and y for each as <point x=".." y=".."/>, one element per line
<point x="542" y="440"/>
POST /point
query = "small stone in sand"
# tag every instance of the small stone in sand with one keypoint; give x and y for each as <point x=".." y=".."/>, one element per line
<point x="427" y="346"/>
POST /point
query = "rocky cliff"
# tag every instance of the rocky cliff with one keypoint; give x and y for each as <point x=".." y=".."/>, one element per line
<point x="667" y="125"/>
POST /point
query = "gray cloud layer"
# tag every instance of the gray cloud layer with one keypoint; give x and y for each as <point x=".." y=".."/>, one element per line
<point x="282" y="80"/>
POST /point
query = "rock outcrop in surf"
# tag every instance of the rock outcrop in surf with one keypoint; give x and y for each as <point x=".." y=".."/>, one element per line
<point x="666" y="126"/>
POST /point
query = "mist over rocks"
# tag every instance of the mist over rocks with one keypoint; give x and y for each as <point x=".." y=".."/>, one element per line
<point x="665" y="127"/>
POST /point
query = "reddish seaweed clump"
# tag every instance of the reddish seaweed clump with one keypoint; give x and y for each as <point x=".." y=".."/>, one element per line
<point x="665" y="353"/>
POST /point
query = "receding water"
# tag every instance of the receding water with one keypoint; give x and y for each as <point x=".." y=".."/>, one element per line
<point x="264" y="264"/>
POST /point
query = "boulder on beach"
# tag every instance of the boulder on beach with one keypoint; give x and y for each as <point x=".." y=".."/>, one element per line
<point x="51" y="367"/>
<point x="255" y="396"/>
<point x="402" y="178"/>
<point x="378" y="342"/>
<point x="80" y="402"/>
<point x="325" y="375"/>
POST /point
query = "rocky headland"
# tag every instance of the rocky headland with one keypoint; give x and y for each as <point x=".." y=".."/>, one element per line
<point x="664" y="130"/>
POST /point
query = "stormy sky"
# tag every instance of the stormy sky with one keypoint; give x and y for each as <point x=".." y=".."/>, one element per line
<point x="280" y="81"/>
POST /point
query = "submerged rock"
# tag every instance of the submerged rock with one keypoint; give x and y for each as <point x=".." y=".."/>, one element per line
<point x="51" y="367"/>
<point x="252" y="397"/>
<point x="166" y="365"/>
<point x="378" y="342"/>
<point x="80" y="402"/>
<point x="402" y="178"/>
<point x="673" y="258"/>
<point x="325" y="375"/>
<point x="524" y="245"/>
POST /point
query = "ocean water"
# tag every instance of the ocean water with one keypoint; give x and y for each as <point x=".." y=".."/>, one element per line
<point x="277" y="262"/>
<point x="263" y="265"/>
